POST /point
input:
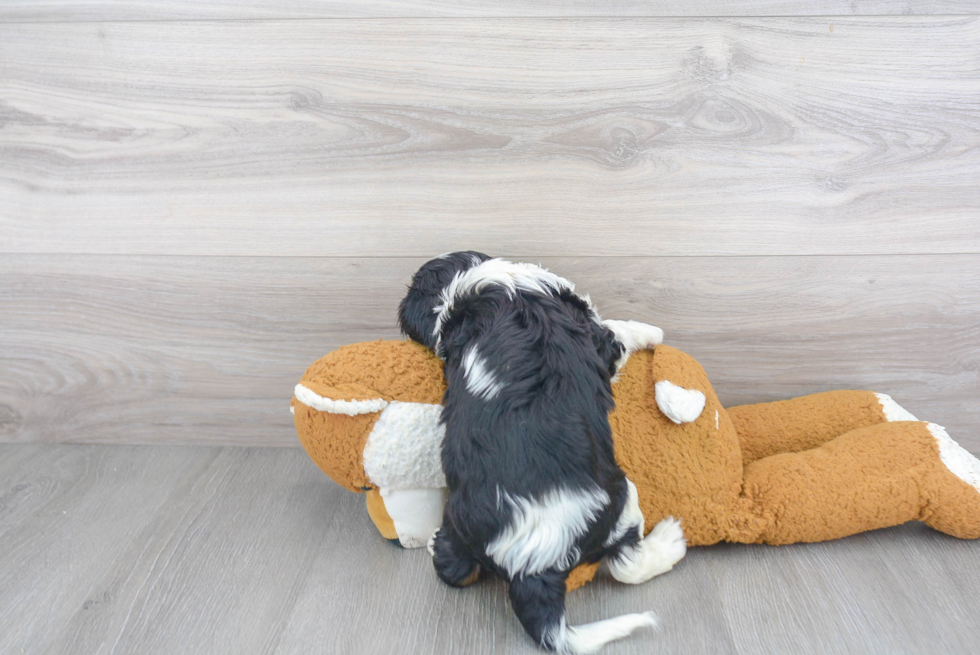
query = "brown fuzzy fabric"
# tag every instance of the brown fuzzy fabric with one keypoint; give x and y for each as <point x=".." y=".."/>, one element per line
<point x="792" y="426"/>
<point x="580" y="576"/>
<point x="691" y="471"/>
<point x="336" y="443"/>
<point x="873" y="477"/>
<point x="391" y="370"/>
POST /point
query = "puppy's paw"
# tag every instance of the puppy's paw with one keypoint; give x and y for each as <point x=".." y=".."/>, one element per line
<point x="430" y="545"/>
<point x="654" y="555"/>
<point x="669" y="539"/>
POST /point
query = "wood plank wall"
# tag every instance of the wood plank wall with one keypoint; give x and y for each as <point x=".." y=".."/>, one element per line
<point x="194" y="207"/>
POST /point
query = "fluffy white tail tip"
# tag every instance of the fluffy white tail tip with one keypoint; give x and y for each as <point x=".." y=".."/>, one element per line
<point x="589" y="638"/>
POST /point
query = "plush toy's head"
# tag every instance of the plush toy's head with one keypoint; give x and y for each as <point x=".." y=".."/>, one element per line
<point x="368" y="415"/>
<point x="342" y="397"/>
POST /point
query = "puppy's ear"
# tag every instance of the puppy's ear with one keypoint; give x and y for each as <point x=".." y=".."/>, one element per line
<point x="416" y="312"/>
<point x="416" y="317"/>
<point x="610" y="350"/>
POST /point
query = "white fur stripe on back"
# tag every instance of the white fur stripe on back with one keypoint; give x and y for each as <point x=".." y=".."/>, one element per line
<point x="500" y="272"/>
<point x="542" y="532"/>
<point x="480" y="380"/>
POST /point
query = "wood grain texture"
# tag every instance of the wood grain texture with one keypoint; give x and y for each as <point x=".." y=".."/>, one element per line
<point x="541" y="137"/>
<point x="115" y="549"/>
<point x="184" y="349"/>
<point x="107" y="10"/>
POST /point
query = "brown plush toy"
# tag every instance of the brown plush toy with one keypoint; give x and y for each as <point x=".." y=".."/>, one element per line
<point x="812" y="468"/>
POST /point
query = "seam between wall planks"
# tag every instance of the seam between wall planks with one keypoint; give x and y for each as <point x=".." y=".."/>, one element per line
<point x="505" y="255"/>
<point x="480" y="18"/>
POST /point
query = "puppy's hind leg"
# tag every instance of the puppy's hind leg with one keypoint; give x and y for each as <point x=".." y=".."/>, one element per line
<point x="539" y="602"/>
<point x="635" y="559"/>
<point x="451" y="559"/>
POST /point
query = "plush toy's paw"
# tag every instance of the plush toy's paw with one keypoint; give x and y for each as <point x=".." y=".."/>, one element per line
<point x="956" y="458"/>
<point x="892" y="410"/>
<point x="416" y="513"/>
<point x="655" y="554"/>
<point x="954" y="503"/>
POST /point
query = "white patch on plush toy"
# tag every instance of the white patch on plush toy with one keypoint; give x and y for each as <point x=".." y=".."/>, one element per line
<point x="678" y="404"/>
<point x="347" y="407"/>
<point x="416" y="513"/>
<point x="480" y="380"/>
<point x="957" y="459"/>
<point x="403" y="450"/>
<point x="542" y="532"/>
<point x="716" y="420"/>
<point x="892" y="410"/>
<point x="634" y="336"/>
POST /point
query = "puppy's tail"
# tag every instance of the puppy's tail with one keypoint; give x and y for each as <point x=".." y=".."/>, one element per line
<point x="539" y="602"/>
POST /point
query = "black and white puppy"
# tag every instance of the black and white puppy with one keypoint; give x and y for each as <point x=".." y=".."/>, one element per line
<point x="534" y="488"/>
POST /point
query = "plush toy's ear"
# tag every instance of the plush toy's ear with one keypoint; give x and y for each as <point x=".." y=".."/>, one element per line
<point x="333" y="424"/>
<point x="679" y="383"/>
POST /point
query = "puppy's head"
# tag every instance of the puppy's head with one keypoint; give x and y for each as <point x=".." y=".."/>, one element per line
<point x="417" y="311"/>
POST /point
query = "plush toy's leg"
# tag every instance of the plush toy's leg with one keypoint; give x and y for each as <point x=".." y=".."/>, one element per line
<point x="872" y="477"/>
<point x="792" y="426"/>
<point x="451" y="558"/>
<point x="409" y="516"/>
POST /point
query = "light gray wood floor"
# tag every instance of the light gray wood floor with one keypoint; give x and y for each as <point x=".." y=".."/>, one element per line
<point x="129" y="549"/>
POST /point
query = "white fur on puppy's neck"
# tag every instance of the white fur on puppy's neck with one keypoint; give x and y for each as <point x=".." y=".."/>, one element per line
<point x="500" y="272"/>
